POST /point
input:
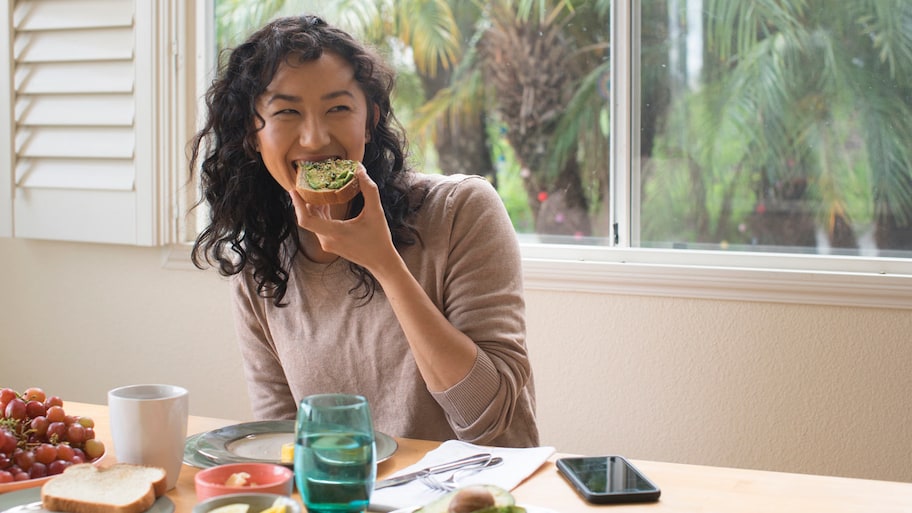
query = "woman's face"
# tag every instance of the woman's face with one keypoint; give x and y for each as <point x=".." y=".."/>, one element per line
<point x="312" y="111"/>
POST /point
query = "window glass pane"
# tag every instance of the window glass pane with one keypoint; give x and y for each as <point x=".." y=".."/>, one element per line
<point x="514" y="91"/>
<point x="776" y="126"/>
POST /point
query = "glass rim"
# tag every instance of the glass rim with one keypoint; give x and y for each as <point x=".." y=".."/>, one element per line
<point x="337" y="400"/>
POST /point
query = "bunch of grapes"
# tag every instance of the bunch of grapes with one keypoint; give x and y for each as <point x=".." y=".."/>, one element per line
<point x="38" y="439"/>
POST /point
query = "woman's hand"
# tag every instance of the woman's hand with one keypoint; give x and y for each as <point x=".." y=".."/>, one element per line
<point x="364" y="240"/>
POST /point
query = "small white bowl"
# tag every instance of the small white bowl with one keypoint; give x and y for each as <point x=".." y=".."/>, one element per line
<point x="257" y="502"/>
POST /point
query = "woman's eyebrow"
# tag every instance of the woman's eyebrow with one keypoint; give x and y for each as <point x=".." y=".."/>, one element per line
<point x="282" y="97"/>
<point x="336" y="94"/>
<point x="293" y="99"/>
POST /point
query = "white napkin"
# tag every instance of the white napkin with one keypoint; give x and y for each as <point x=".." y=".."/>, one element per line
<point x="518" y="464"/>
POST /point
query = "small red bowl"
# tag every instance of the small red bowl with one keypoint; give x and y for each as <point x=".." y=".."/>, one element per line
<point x="264" y="478"/>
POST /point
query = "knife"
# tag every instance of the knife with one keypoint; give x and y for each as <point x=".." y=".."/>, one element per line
<point x="477" y="459"/>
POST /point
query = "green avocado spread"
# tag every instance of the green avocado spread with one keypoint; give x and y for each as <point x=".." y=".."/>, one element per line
<point x="329" y="174"/>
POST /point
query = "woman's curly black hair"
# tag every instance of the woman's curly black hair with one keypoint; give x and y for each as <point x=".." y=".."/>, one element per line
<point x="251" y="217"/>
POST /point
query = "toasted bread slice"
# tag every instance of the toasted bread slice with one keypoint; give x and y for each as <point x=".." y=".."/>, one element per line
<point x="328" y="182"/>
<point x="121" y="488"/>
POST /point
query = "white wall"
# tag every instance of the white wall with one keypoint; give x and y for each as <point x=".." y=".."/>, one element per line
<point x="808" y="389"/>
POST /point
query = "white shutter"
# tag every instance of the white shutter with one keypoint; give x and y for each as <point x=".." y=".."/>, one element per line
<point x="92" y="117"/>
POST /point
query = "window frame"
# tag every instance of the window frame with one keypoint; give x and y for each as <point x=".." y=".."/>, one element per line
<point x="619" y="268"/>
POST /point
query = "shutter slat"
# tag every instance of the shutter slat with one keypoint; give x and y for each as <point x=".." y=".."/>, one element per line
<point x="69" y="14"/>
<point x="82" y="142"/>
<point x="69" y="46"/>
<point x="75" y="110"/>
<point x="87" y="174"/>
<point x="94" y="77"/>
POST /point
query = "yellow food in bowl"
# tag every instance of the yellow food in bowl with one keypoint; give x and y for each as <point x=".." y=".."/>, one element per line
<point x="287" y="453"/>
<point x="239" y="479"/>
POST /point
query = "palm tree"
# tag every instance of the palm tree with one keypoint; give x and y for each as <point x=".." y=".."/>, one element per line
<point x="819" y="90"/>
<point x="545" y="63"/>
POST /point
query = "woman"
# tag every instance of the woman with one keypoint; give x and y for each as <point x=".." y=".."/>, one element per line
<point x="410" y="294"/>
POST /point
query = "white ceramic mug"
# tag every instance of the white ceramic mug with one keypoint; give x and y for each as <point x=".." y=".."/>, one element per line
<point x="149" y="426"/>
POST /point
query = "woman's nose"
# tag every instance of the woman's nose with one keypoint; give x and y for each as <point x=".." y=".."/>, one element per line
<point x="313" y="134"/>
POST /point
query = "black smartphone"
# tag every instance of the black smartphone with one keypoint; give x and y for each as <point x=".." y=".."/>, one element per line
<point x="607" y="479"/>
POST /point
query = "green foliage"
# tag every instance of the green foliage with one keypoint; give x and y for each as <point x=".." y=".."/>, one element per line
<point x="509" y="181"/>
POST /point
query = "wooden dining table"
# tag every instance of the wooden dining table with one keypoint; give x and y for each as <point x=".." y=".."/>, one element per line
<point x="685" y="488"/>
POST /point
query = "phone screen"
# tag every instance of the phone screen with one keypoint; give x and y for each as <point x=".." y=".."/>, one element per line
<point x="609" y="478"/>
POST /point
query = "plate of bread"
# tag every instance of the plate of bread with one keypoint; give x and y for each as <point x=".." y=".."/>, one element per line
<point x="120" y="488"/>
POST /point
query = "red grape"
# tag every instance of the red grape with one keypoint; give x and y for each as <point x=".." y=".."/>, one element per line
<point x="34" y="394"/>
<point x="35" y="409"/>
<point x="65" y="452"/>
<point x="38" y="470"/>
<point x="53" y="401"/>
<point x="15" y="409"/>
<point x="7" y="395"/>
<point x="21" y="476"/>
<point x="56" y="431"/>
<point x="5" y="477"/>
<point x="57" y="466"/>
<point x="56" y="414"/>
<point x="45" y="453"/>
<point x="75" y="433"/>
<point x="7" y="442"/>
<point x="24" y="458"/>
<point x="40" y="426"/>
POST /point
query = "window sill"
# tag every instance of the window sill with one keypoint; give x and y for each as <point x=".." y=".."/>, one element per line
<point x="875" y="283"/>
<point x="798" y="279"/>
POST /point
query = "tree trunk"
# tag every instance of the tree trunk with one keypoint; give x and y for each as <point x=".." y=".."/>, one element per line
<point x="528" y="64"/>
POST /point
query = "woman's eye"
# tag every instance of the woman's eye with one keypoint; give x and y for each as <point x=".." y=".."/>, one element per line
<point x="285" y="112"/>
<point x="340" y="108"/>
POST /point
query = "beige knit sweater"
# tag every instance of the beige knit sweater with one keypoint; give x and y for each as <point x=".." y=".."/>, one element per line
<point x="323" y="341"/>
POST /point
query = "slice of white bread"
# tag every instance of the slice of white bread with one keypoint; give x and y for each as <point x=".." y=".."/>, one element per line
<point x="120" y="488"/>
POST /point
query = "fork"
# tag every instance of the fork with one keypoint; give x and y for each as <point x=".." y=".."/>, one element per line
<point x="449" y="484"/>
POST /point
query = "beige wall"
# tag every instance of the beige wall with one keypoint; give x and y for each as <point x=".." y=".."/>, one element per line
<point x="795" y="388"/>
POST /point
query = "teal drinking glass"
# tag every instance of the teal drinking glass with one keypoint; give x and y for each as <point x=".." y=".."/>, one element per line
<point x="335" y="458"/>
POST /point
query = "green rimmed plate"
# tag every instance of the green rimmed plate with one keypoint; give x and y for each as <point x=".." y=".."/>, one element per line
<point x="259" y="441"/>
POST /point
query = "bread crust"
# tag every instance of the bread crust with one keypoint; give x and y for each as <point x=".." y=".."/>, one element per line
<point x="81" y="489"/>
<point x="343" y="194"/>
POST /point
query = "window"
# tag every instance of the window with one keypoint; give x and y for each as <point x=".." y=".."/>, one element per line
<point x="758" y="151"/>
<point x="706" y="148"/>
<point x="93" y="118"/>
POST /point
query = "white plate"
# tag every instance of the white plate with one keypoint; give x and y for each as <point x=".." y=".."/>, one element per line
<point x="536" y="509"/>
<point x="257" y="441"/>
<point x="29" y="501"/>
<point x="529" y="509"/>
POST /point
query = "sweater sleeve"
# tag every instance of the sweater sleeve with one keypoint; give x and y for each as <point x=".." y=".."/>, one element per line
<point x="483" y="298"/>
<point x="267" y="386"/>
